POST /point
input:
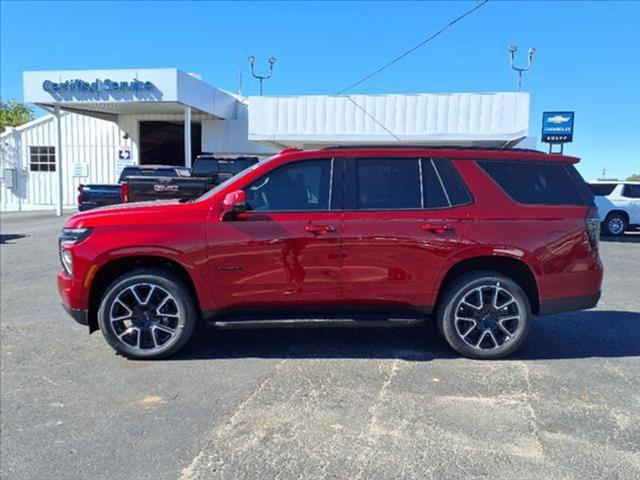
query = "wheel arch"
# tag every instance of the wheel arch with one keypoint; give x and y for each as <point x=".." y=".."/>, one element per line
<point x="511" y="267"/>
<point x="619" y="212"/>
<point x="112" y="269"/>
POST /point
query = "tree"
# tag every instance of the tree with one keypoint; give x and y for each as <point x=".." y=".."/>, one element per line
<point x="14" y="113"/>
<point x="634" y="177"/>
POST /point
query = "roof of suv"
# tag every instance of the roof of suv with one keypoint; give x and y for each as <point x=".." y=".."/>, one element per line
<point x="615" y="182"/>
<point x="442" y="151"/>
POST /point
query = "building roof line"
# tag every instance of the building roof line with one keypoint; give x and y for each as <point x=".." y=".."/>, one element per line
<point x="31" y="123"/>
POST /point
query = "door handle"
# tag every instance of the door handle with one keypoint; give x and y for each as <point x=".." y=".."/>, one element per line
<point x="427" y="227"/>
<point x="321" y="229"/>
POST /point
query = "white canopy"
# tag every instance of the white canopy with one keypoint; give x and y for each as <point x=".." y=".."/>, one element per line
<point x="466" y="119"/>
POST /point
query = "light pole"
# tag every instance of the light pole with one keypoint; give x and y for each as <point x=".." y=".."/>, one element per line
<point x="512" y="53"/>
<point x="262" y="78"/>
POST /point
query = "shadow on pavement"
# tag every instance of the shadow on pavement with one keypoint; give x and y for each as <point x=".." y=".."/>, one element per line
<point x="576" y="335"/>
<point x="5" y="238"/>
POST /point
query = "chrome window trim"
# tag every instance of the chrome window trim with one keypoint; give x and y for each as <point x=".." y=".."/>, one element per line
<point x="446" y="194"/>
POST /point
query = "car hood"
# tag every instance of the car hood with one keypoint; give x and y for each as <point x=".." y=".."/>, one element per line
<point x="157" y="211"/>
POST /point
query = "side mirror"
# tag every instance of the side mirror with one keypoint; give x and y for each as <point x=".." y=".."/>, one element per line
<point x="233" y="204"/>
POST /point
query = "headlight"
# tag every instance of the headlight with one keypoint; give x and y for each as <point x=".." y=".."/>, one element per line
<point x="65" y="260"/>
<point x="74" y="235"/>
<point x="69" y="237"/>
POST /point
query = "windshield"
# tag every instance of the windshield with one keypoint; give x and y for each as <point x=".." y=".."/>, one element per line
<point x="233" y="179"/>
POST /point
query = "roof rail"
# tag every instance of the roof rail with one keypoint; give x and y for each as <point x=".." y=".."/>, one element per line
<point x="430" y="147"/>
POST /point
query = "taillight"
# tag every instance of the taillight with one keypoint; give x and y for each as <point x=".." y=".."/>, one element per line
<point x="80" y="193"/>
<point x="124" y="192"/>
<point x="592" y="225"/>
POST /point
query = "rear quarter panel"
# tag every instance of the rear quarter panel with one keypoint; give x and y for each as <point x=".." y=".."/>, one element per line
<point x="551" y="240"/>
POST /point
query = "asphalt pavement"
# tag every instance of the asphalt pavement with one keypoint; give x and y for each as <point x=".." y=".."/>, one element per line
<point x="383" y="403"/>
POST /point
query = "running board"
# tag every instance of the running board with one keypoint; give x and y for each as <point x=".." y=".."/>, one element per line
<point x="314" y="322"/>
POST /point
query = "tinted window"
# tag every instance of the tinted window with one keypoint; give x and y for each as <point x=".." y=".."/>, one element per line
<point x="534" y="182"/>
<point x="631" y="191"/>
<point x="454" y="185"/>
<point x="581" y="185"/>
<point x="433" y="189"/>
<point x="153" y="172"/>
<point x="387" y="184"/>
<point x="211" y="166"/>
<point x="602" y="189"/>
<point x="298" y="186"/>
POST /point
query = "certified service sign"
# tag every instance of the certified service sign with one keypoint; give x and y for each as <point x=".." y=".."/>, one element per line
<point x="557" y="127"/>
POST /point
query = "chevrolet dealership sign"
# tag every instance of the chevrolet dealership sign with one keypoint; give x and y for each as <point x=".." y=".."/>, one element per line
<point x="557" y="127"/>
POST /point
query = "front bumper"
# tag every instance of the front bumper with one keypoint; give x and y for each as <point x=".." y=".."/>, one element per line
<point x="79" y="315"/>
<point x="569" y="304"/>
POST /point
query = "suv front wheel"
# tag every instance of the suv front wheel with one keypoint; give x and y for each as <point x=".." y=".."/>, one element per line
<point x="484" y="315"/>
<point x="147" y="314"/>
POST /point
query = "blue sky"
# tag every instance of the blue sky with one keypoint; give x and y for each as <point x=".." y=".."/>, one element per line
<point x="588" y="53"/>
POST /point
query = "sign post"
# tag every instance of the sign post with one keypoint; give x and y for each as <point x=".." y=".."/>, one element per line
<point x="557" y="128"/>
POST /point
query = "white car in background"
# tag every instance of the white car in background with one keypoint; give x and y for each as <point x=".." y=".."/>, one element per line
<point x="618" y="204"/>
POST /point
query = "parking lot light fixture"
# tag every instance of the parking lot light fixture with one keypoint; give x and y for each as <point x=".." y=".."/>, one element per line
<point x="261" y="78"/>
<point x="512" y="54"/>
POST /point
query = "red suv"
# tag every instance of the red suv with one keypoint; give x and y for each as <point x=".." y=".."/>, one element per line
<point x="480" y="240"/>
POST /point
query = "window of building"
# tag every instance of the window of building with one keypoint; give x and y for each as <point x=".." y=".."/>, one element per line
<point x="388" y="184"/>
<point x="299" y="186"/>
<point x="534" y="182"/>
<point x="42" y="159"/>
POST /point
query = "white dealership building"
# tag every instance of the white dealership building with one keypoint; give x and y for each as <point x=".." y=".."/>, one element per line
<point x="103" y="120"/>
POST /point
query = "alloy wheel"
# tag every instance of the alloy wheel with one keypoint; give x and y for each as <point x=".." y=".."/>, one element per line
<point x="146" y="317"/>
<point x="487" y="317"/>
<point x="616" y="225"/>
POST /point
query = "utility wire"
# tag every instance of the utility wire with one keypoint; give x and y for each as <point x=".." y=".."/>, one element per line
<point x="413" y="49"/>
<point x="371" y="117"/>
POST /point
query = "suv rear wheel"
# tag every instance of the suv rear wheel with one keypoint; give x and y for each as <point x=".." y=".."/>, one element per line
<point x="484" y="315"/>
<point x="147" y="314"/>
<point x="615" y="224"/>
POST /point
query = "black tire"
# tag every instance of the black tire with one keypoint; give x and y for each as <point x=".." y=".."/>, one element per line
<point x="180" y="309"/>
<point x="615" y="225"/>
<point x="467" y="284"/>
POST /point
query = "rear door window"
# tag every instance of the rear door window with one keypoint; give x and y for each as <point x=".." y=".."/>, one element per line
<point x="457" y="192"/>
<point x="386" y="184"/>
<point x="539" y="183"/>
<point x="435" y="195"/>
<point x="631" y="191"/>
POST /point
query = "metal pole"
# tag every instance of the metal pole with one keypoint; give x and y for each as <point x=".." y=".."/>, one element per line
<point x="59" y="182"/>
<point x="187" y="137"/>
<point x="519" y="80"/>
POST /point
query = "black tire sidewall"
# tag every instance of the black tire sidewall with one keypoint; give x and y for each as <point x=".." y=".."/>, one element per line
<point x="455" y="292"/>
<point x="606" y="225"/>
<point x="169" y="282"/>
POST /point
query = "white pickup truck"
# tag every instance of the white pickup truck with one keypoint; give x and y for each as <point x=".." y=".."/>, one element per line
<point x="618" y="205"/>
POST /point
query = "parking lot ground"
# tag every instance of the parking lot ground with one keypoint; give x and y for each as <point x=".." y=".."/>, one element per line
<point x="305" y="403"/>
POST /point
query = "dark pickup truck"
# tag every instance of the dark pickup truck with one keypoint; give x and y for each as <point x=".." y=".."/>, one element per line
<point x="101" y="195"/>
<point x="207" y="172"/>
